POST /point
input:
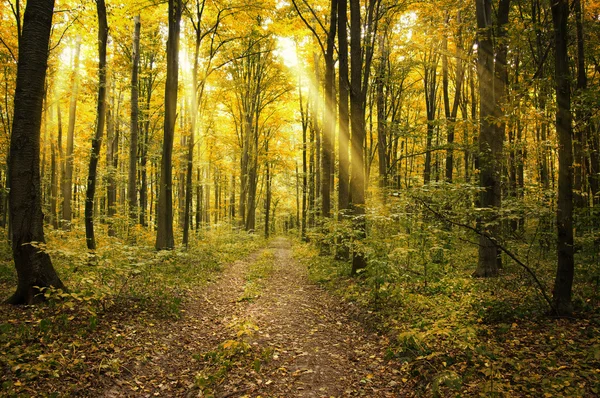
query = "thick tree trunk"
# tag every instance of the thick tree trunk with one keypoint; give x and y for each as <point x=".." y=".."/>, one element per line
<point x="489" y="144"/>
<point x="563" y="283"/>
<point x="34" y="268"/>
<point x="134" y="121"/>
<point x="164" y="236"/>
<point x="344" y="123"/>
<point x="67" y="214"/>
<point x="100" y="118"/>
<point x="344" y="111"/>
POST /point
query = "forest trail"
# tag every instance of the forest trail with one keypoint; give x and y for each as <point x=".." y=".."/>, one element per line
<point x="262" y="329"/>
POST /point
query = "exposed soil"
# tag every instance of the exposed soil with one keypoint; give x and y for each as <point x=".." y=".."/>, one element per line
<point x="298" y="341"/>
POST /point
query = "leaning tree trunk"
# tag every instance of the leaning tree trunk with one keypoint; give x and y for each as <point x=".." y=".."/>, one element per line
<point x="34" y="267"/>
<point x="164" y="233"/>
<point x="100" y="117"/>
<point x="563" y="283"/>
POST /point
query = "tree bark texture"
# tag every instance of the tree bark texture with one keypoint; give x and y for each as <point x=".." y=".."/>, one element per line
<point x="134" y="121"/>
<point x="357" y="177"/>
<point x="164" y="233"/>
<point x="563" y="283"/>
<point x="490" y="145"/>
<point x="34" y="267"/>
<point x="100" y="119"/>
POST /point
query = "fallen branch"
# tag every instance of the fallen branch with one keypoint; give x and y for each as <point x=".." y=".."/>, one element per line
<point x="499" y="246"/>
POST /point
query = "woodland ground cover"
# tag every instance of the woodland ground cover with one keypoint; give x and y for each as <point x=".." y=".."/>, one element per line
<point x="124" y="296"/>
<point x="459" y="335"/>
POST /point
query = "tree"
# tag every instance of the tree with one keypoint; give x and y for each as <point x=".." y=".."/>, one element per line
<point x="34" y="267"/>
<point x="134" y="123"/>
<point x="357" y="176"/>
<point x="164" y="233"/>
<point x="563" y="283"/>
<point x="491" y="134"/>
<point x="100" y="118"/>
<point x="67" y="184"/>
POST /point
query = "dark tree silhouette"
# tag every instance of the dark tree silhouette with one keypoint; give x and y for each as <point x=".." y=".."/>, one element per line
<point x="34" y="267"/>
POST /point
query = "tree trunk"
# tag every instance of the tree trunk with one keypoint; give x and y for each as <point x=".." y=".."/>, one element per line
<point x="53" y="188"/>
<point x="329" y="115"/>
<point x="134" y="123"/>
<point x="357" y="177"/>
<point x="100" y="117"/>
<point x="164" y="236"/>
<point x="430" y="86"/>
<point x="67" y="214"/>
<point x="344" y="112"/>
<point x="564" y="219"/>
<point x="268" y="190"/>
<point x="34" y="267"/>
<point x="489" y="144"/>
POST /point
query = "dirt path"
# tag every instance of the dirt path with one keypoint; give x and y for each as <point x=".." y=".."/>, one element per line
<point x="289" y="338"/>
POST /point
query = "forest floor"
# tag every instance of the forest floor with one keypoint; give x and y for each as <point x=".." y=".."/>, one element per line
<point x="241" y="317"/>
<point x="261" y="329"/>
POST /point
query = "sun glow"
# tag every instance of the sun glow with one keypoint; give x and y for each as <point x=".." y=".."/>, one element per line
<point x="286" y="50"/>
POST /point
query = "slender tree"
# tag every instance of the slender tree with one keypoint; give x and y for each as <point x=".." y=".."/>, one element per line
<point x="67" y="186"/>
<point x="100" y="119"/>
<point x="134" y="121"/>
<point x="34" y="267"/>
<point x="164" y="233"/>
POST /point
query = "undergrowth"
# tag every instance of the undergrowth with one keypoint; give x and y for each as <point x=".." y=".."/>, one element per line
<point x="454" y="335"/>
<point x="119" y="291"/>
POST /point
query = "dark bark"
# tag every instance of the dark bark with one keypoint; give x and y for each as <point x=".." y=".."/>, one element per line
<point x="563" y="283"/>
<point x="100" y="118"/>
<point x="34" y="267"/>
<point x="357" y="177"/>
<point x="382" y="145"/>
<point x="134" y="121"/>
<point x="430" y="87"/>
<point x="344" y="111"/>
<point x="164" y="236"/>
<point x="490" y="140"/>
<point x="329" y="114"/>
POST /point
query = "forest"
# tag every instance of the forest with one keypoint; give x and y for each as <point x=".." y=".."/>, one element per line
<point x="300" y="198"/>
